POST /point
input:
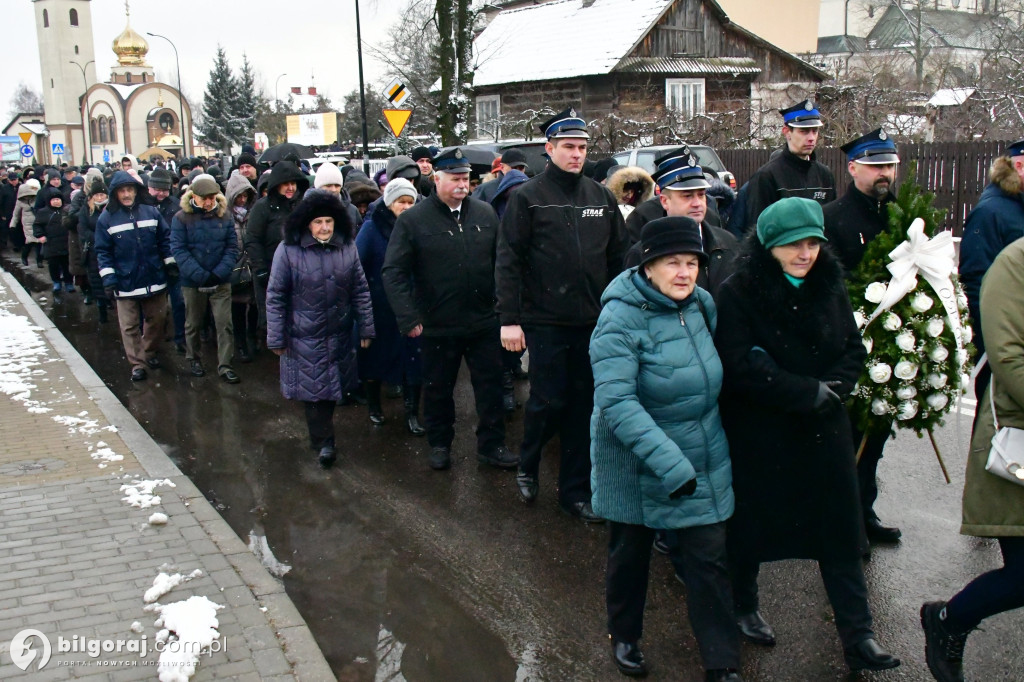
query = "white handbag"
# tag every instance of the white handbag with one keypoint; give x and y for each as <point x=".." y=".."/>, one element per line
<point x="1007" y="451"/>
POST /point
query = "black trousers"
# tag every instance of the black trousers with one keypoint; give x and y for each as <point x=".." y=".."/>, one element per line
<point x="442" y="358"/>
<point x="320" y="420"/>
<point x="561" y="401"/>
<point x="867" y="468"/>
<point x="844" y="584"/>
<point x="991" y="593"/>
<point x="59" y="271"/>
<point x="708" y="593"/>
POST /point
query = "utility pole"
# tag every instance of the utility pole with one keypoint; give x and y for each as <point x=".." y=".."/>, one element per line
<point x="362" y="95"/>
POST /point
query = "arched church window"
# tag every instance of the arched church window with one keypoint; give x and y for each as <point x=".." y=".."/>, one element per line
<point x="94" y="129"/>
<point x="76" y="49"/>
<point x="103" y="130"/>
<point x="46" y="19"/>
<point x="166" y="122"/>
<point x="128" y="78"/>
<point x="113" y="130"/>
<point x="74" y="17"/>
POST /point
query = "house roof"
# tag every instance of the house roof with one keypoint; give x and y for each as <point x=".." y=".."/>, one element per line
<point x="943" y="27"/>
<point x="518" y="45"/>
<point x="839" y="44"/>
<point x="561" y="39"/>
<point x="950" y="97"/>
<point x="717" y="65"/>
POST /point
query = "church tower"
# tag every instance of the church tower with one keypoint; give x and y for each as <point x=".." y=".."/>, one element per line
<point x="68" y="64"/>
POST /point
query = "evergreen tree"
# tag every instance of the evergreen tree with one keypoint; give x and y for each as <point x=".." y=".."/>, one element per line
<point x="249" y="100"/>
<point x="219" y="125"/>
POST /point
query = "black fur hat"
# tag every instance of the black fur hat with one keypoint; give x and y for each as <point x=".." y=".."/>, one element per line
<point x="317" y="203"/>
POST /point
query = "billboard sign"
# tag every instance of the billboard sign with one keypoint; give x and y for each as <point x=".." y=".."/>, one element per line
<point x="313" y="129"/>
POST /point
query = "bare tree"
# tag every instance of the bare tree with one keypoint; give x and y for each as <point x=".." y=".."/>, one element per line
<point x="26" y="101"/>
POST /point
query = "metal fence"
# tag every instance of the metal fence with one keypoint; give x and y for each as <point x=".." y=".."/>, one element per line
<point x="956" y="172"/>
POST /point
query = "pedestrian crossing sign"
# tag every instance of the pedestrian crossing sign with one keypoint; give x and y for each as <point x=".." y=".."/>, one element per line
<point x="57" y="148"/>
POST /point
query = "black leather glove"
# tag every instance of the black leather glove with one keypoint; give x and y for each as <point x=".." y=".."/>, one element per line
<point x="688" y="488"/>
<point x="262" y="276"/>
<point x="827" y="399"/>
<point x="172" y="272"/>
<point x="111" y="293"/>
<point x="212" y="280"/>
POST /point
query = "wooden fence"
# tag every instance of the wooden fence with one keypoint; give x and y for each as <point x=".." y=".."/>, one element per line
<point x="956" y="172"/>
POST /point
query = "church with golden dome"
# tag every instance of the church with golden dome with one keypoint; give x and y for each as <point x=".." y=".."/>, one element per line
<point x="130" y="113"/>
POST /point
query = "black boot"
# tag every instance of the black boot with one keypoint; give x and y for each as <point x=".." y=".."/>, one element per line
<point x="412" y="410"/>
<point x="943" y="646"/>
<point x="508" y="391"/>
<point x="373" y="402"/>
<point x="102" y="306"/>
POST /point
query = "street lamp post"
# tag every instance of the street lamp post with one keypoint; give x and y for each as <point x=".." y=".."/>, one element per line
<point x="362" y="95"/>
<point x="181" y="107"/>
<point x="277" y="104"/>
<point x="85" y="118"/>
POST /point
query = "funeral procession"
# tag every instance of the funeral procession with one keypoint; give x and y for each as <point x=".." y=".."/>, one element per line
<point x="512" y="340"/>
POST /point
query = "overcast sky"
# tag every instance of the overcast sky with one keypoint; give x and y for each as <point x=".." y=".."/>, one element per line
<point x="313" y="41"/>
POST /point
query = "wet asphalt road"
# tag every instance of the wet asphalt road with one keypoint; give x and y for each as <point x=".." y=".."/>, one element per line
<point x="406" y="573"/>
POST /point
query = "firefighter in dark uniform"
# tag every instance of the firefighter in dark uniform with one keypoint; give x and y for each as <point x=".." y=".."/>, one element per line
<point x="850" y="224"/>
<point x="562" y="241"/>
<point x="794" y="172"/>
<point x="439" y="277"/>
<point x="684" y="188"/>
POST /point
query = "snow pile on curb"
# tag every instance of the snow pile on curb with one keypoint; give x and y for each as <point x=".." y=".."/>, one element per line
<point x="140" y="493"/>
<point x="192" y="624"/>
<point x="164" y="583"/>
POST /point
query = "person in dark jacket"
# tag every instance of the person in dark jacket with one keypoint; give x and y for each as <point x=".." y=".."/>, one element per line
<point x="158" y="194"/>
<point x="133" y="251"/>
<point x="439" y="277"/>
<point x="423" y="158"/>
<point x="794" y="172"/>
<point x="88" y="216"/>
<point x="316" y="295"/>
<point x="850" y="224"/>
<point x="394" y="357"/>
<point x="8" y="197"/>
<point x="791" y="353"/>
<point x="241" y="196"/>
<point x="995" y="222"/>
<point x="51" y="179"/>
<point x="204" y="245"/>
<point x="263" y="232"/>
<point x="50" y="229"/>
<point x="562" y="241"/>
<point x="660" y="456"/>
<point x="510" y="159"/>
<point x="684" y="188"/>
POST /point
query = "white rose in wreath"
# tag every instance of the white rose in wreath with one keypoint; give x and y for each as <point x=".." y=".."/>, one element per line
<point x="937" y="401"/>
<point x="879" y="407"/>
<point x="921" y="302"/>
<point x="875" y="292"/>
<point x="892" y="322"/>
<point x="868" y="343"/>
<point x="907" y="410"/>
<point x="905" y="370"/>
<point x="935" y="327"/>
<point x="858" y="318"/>
<point x="968" y="333"/>
<point x="965" y="380"/>
<point x="961" y="299"/>
<point x="880" y="373"/>
<point x="906" y="392"/>
<point x="906" y="341"/>
<point x="937" y="380"/>
<point x="939" y="354"/>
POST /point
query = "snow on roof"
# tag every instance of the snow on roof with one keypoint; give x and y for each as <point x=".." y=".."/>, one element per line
<point x="562" y="39"/>
<point x="950" y="97"/>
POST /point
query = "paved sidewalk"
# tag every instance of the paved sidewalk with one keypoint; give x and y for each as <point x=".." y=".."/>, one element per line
<point x="76" y="557"/>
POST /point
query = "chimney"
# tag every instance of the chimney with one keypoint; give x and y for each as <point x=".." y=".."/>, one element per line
<point x="296" y="91"/>
<point x="312" y="90"/>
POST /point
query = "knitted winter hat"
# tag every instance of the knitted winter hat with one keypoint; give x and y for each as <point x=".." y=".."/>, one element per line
<point x="399" y="187"/>
<point x="328" y="174"/>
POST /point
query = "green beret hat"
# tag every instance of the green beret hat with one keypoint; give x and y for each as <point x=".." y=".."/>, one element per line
<point x="790" y="220"/>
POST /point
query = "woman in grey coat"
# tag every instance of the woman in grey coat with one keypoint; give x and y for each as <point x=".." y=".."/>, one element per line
<point x="316" y="294"/>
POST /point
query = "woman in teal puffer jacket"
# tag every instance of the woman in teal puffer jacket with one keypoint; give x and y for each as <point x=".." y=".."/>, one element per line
<point x="660" y="457"/>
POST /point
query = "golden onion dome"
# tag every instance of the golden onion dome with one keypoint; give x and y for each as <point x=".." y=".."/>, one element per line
<point x="130" y="48"/>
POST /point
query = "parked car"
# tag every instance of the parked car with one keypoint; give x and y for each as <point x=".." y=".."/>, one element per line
<point x="645" y="156"/>
<point x="337" y="158"/>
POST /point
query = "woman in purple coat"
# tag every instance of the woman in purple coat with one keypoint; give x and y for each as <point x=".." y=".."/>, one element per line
<point x="317" y="293"/>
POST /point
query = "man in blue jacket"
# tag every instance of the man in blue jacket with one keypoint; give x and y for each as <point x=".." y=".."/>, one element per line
<point x="204" y="245"/>
<point x="133" y="252"/>
<point x="993" y="224"/>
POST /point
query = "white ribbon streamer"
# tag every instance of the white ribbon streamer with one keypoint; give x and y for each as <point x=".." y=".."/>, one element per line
<point x="934" y="259"/>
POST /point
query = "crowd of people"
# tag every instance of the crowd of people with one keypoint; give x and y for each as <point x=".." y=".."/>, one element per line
<point x="693" y="349"/>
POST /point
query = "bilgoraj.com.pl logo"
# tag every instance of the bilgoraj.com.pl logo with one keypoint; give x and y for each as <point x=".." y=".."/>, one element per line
<point x="31" y="648"/>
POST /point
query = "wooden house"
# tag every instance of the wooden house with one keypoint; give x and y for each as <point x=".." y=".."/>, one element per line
<point x="630" y="59"/>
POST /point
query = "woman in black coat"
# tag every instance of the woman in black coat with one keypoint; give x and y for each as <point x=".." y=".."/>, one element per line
<point x="96" y="200"/>
<point x="791" y="353"/>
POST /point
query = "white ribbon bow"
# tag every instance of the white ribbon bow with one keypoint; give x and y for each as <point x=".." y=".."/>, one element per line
<point x="933" y="259"/>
